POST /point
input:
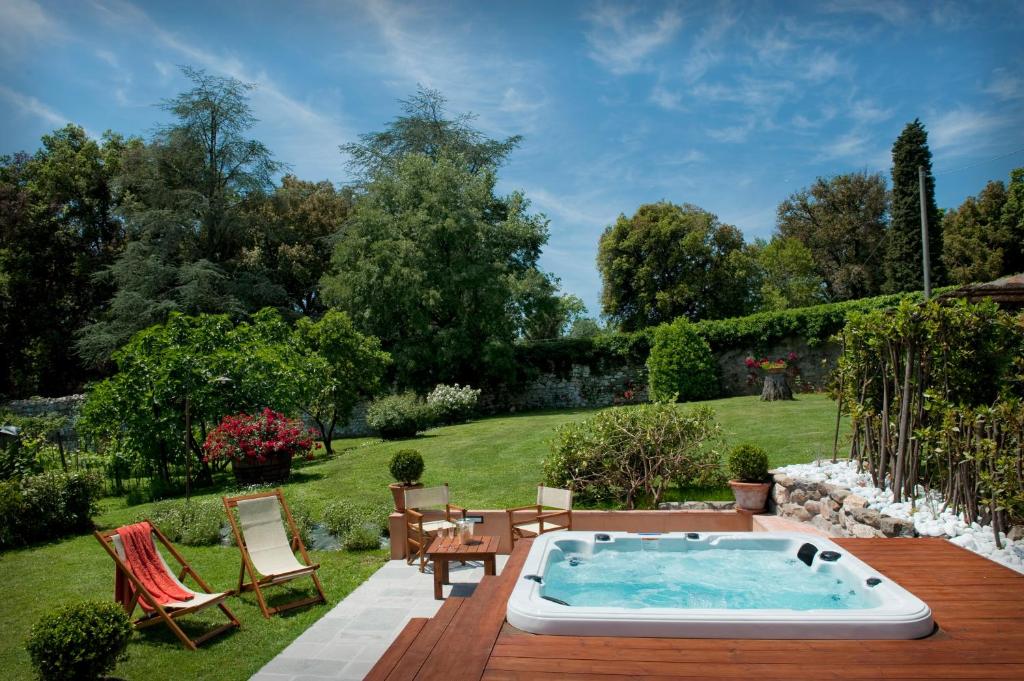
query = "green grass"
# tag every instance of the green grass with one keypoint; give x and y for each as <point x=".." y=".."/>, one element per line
<point x="490" y="463"/>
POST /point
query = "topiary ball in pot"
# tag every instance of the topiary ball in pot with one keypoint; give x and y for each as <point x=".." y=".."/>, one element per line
<point x="79" y="641"/>
<point x="748" y="470"/>
<point x="406" y="468"/>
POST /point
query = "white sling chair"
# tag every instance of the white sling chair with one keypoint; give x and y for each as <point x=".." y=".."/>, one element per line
<point x="266" y="550"/>
<point x="540" y="521"/>
<point x="419" y="532"/>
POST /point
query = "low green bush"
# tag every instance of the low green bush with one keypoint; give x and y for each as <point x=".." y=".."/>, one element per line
<point x="629" y="455"/>
<point x="82" y="641"/>
<point x="46" y="506"/>
<point x="748" y="463"/>
<point x="396" y="417"/>
<point x="681" y="366"/>
<point x="406" y="466"/>
<point x="357" y="526"/>
<point x="196" y="522"/>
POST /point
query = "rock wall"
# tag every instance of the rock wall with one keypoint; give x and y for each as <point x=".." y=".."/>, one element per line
<point x="814" y="365"/>
<point x="583" y="387"/>
<point x="832" y="509"/>
<point x="67" y="406"/>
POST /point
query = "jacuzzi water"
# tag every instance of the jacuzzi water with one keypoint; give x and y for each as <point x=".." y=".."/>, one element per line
<point x="708" y="585"/>
<point x="706" y="577"/>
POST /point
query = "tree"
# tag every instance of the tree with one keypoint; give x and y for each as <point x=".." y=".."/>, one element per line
<point x="58" y="228"/>
<point x="585" y="327"/>
<point x="668" y="261"/>
<point x="542" y="312"/>
<point x="429" y="263"/>
<point x="903" y="270"/>
<point x="425" y="129"/>
<point x="842" y="221"/>
<point x="432" y="261"/>
<point x="342" y="367"/>
<point x="186" y="198"/>
<point x="292" y="238"/>
<point x="975" y="242"/>
<point x="141" y="408"/>
<point x="1013" y="223"/>
<point x="787" y="274"/>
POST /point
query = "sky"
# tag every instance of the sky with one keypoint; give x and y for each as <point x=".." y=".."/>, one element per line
<point x="731" y="106"/>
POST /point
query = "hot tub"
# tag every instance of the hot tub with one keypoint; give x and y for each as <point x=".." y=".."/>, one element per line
<point x="708" y="585"/>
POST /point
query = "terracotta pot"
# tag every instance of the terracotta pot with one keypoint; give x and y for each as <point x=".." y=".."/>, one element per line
<point x="398" y="492"/>
<point x="750" y="496"/>
<point x="276" y="468"/>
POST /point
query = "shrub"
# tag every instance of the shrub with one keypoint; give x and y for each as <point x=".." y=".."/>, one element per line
<point x="748" y="463"/>
<point x="357" y="526"/>
<point x="79" y="641"/>
<point x="46" y="506"/>
<point x="451" y="403"/>
<point x="681" y="365"/>
<point x="406" y="466"/>
<point x="398" y="416"/>
<point x="630" y="454"/>
<point x="195" y="523"/>
<point x="258" y="437"/>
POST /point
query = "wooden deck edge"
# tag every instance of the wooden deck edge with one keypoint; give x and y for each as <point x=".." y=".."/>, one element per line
<point x="393" y="655"/>
<point x="421" y="648"/>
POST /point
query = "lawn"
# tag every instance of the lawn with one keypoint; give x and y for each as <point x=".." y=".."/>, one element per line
<point x="490" y="463"/>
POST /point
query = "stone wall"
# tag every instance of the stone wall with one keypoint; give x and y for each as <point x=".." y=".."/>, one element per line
<point x="814" y="365"/>
<point x="67" y="406"/>
<point x="832" y="509"/>
<point x="582" y="387"/>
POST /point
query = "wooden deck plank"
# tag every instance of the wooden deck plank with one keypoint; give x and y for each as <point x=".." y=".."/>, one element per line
<point x="978" y="606"/>
<point x="422" y="646"/>
<point x="397" y="650"/>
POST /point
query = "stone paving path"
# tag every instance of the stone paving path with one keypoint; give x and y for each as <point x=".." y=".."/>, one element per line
<point x="345" y="643"/>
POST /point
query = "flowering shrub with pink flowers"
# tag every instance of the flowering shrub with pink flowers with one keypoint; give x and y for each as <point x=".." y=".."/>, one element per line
<point x="257" y="437"/>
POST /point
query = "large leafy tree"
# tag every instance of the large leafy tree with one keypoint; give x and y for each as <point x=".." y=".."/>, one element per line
<point x="293" y="231"/>
<point x="787" y="274"/>
<point x="903" y="257"/>
<point x="669" y="261"/>
<point x="58" y="228"/>
<point x="341" y="367"/>
<point x="186" y="197"/>
<point x="432" y="260"/>
<point x="976" y="244"/>
<point x="429" y="263"/>
<point x="842" y="221"/>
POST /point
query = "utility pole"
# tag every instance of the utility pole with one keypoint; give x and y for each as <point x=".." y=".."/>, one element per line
<point x="926" y="262"/>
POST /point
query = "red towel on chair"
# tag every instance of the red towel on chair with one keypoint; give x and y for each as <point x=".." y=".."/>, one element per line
<point x="141" y="557"/>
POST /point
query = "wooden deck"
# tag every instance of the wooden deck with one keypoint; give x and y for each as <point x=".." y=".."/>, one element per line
<point x="977" y="605"/>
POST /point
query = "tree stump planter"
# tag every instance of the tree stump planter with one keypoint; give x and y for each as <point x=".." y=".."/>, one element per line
<point x="276" y="468"/>
<point x="776" y="387"/>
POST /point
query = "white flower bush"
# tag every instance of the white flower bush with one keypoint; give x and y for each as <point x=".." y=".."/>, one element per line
<point x="453" y="403"/>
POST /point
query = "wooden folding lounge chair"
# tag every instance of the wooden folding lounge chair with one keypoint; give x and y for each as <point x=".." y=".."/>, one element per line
<point x="540" y="521"/>
<point x="419" y="532"/>
<point x="266" y="550"/>
<point x="167" y="613"/>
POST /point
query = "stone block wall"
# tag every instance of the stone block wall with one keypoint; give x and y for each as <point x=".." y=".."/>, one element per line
<point x="583" y="387"/>
<point x="815" y="363"/>
<point x="832" y="509"/>
<point x="67" y="406"/>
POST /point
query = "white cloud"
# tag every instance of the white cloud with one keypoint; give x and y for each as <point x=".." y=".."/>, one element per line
<point x="962" y="131"/>
<point x="667" y="99"/>
<point x="33" y="107"/>
<point x="732" y="133"/>
<point x="1005" y="85"/>
<point x="706" y="49"/>
<point x="866" y="111"/>
<point x="891" y="11"/>
<point x="691" y="157"/>
<point x="23" y="23"/>
<point x="622" y="44"/>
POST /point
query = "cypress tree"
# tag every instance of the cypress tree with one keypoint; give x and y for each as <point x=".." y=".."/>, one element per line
<point x="903" y="270"/>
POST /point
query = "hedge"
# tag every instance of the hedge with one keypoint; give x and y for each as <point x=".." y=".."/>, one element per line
<point x="609" y="351"/>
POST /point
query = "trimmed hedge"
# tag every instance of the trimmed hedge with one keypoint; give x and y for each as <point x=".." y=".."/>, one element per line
<point x="681" y="366"/>
<point x="79" y="641"/>
<point x="610" y="351"/>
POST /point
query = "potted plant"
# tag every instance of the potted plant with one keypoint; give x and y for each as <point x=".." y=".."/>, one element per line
<point x="406" y="469"/>
<point x="260" y="447"/>
<point x="748" y="472"/>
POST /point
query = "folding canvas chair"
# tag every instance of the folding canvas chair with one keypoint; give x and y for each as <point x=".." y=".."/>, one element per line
<point x="132" y="593"/>
<point x="267" y="555"/>
<point x="540" y="521"/>
<point x="419" y="532"/>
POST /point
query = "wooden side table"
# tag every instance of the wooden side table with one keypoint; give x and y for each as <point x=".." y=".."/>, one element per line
<point x="444" y="550"/>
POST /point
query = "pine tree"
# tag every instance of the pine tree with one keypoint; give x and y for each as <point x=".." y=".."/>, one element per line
<point x="903" y="270"/>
